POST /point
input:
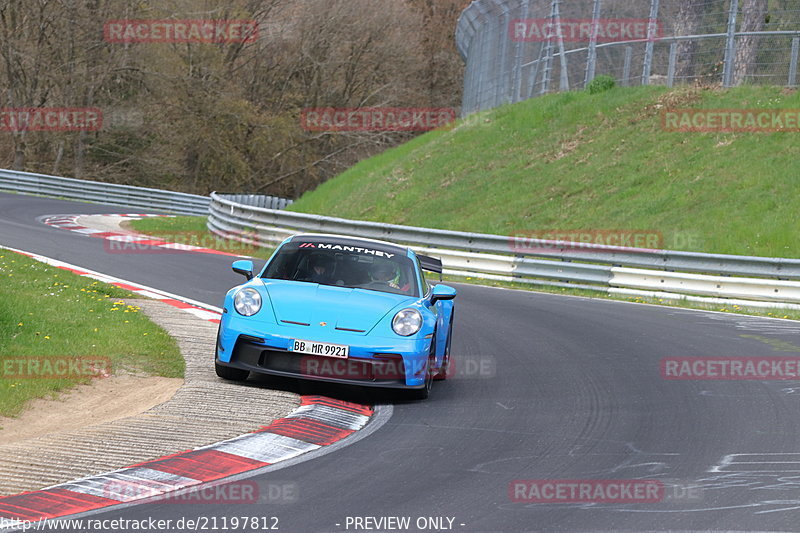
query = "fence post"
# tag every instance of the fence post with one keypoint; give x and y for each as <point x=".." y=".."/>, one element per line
<point x="730" y="45"/>
<point x="548" y="56"/>
<point x="648" y="51"/>
<point x="502" y="89"/>
<point x="563" y="84"/>
<point x="481" y="74"/>
<point x="591" y="54"/>
<point x="626" y="66"/>
<point x="534" y="72"/>
<point x="793" y="64"/>
<point x="517" y="91"/>
<point x="673" y="53"/>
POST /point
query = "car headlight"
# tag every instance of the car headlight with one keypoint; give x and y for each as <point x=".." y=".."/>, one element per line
<point x="407" y="322"/>
<point x="247" y="302"/>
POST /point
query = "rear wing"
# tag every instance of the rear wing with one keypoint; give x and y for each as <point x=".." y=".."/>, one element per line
<point x="430" y="264"/>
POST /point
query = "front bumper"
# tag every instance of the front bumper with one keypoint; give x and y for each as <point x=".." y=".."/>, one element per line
<point x="371" y="366"/>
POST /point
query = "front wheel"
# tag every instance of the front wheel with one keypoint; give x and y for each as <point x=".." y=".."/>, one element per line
<point x="424" y="392"/>
<point x="233" y="374"/>
<point x="226" y="372"/>
<point x="445" y="368"/>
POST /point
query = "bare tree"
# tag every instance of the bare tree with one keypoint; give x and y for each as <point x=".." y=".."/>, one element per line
<point x="687" y="21"/>
<point x="221" y="115"/>
<point x="753" y="19"/>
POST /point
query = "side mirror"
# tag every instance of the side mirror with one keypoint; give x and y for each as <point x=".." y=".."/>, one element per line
<point x="442" y="292"/>
<point x="243" y="267"/>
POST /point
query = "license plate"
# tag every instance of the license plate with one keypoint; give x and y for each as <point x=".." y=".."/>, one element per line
<point x="320" y="348"/>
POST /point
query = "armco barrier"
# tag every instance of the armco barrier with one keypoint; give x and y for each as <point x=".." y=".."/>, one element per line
<point x="549" y="262"/>
<point x="259" y="220"/>
<point x="106" y="193"/>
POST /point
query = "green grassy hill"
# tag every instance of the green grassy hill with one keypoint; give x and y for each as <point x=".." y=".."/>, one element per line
<point x="578" y="161"/>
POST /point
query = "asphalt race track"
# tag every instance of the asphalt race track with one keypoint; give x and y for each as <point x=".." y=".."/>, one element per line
<point x="547" y="387"/>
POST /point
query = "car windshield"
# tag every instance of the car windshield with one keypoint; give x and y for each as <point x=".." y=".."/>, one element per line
<point x="353" y="266"/>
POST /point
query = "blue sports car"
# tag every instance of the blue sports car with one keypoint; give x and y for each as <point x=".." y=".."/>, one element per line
<point x="341" y="309"/>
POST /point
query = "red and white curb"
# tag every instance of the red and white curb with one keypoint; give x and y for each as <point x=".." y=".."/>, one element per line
<point x="126" y="242"/>
<point x="318" y="421"/>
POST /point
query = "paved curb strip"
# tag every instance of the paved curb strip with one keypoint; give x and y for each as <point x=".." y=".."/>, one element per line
<point x="318" y="422"/>
<point x="125" y="239"/>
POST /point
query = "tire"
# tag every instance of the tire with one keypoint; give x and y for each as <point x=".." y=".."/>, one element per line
<point x="424" y="392"/>
<point x="229" y="373"/>
<point x="445" y="368"/>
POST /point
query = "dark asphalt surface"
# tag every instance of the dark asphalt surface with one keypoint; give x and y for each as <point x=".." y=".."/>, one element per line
<point x="547" y="387"/>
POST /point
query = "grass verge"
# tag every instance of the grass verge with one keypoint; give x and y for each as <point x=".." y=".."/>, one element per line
<point x="192" y="230"/>
<point x="49" y="314"/>
<point x="577" y="161"/>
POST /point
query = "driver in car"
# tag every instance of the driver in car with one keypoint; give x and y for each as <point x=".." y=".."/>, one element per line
<point x="320" y="268"/>
<point x="386" y="273"/>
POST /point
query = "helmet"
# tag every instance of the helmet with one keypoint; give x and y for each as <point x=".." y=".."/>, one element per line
<point x="384" y="271"/>
<point x="320" y="260"/>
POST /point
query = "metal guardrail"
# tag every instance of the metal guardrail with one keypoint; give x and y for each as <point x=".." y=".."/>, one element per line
<point x="107" y="193"/>
<point x="544" y="262"/>
<point x="556" y="263"/>
<point x="258" y="200"/>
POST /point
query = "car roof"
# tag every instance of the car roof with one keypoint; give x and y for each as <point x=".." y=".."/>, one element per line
<point x="345" y="240"/>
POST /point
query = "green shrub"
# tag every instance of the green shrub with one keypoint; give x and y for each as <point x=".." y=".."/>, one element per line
<point x="601" y="84"/>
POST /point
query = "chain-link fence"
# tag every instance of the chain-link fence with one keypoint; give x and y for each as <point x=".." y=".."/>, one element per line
<point x="518" y="49"/>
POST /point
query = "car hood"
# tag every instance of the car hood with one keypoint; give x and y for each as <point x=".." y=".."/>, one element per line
<point x="342" y="307"/>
